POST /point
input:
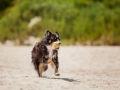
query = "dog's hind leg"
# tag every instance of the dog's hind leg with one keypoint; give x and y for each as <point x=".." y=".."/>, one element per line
<point x="41" y="69"/>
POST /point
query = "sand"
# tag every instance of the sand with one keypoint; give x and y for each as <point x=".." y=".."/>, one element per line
<point x="81" y="68"/>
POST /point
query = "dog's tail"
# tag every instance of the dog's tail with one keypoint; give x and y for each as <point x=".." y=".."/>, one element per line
<point x="36" y="65"/>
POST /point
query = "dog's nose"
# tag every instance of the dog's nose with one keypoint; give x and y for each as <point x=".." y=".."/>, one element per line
<point x="59" y="43"/>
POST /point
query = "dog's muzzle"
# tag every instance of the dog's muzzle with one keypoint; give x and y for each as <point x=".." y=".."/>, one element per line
<point x="56" y="45"/>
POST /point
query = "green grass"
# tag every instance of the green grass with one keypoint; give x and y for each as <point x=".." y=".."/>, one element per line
<point x="77" y="21"/>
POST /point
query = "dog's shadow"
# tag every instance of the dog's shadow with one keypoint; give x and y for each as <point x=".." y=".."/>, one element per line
<point x="65" y="79"/>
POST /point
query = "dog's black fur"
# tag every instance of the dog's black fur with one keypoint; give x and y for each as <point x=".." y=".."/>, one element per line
<point x="41" y="53"/>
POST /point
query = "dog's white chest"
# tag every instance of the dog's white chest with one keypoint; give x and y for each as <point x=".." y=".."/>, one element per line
<point x="50" y="51"/>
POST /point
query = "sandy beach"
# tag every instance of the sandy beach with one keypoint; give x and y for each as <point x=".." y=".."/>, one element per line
<point x="81" y="68"/>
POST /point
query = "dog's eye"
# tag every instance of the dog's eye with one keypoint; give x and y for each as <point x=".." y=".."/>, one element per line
<point x="49" y="41"/>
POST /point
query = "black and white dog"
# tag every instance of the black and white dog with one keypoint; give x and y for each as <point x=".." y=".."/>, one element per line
<point x="46" y="52"/>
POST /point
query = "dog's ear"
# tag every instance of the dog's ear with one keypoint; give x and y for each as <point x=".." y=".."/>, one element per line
<point x="57" y="34"/>
<point x="48" y="33"/>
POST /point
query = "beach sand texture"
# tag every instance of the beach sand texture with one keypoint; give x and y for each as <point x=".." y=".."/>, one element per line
<point x="81" y="68"/>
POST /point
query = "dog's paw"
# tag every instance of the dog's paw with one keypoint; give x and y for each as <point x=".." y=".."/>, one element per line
<point x="57" y="74"/>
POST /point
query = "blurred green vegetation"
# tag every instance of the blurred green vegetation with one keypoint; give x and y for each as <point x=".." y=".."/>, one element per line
<point x="94" y="22"/>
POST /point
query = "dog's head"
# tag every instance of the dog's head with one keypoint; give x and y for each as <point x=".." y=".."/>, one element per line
<point x="52" y="39"/>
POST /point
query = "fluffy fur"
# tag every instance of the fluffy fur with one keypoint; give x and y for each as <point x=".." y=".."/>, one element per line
<point x="46" y="52"/>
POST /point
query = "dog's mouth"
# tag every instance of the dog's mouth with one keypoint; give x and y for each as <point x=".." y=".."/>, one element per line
<point x="55" y="45"/>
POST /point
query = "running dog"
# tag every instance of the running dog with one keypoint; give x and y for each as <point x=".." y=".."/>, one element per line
<point x="46" y="52"/>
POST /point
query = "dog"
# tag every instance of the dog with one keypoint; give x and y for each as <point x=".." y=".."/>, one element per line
<point x="46" y="52"/>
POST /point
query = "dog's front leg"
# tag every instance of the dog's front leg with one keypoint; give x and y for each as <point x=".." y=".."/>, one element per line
<point x="56" y="67"/>
<point x="56" y="63"/>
